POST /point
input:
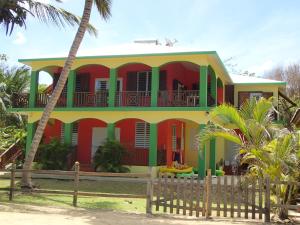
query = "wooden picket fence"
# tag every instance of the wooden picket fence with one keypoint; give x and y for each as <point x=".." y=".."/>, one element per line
<point x="227" y="196"/>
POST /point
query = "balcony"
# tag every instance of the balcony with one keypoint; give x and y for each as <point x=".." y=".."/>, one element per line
<point x="187" y="98"/>
<point x="89" y="99"/>
<point x="133" y="98"/>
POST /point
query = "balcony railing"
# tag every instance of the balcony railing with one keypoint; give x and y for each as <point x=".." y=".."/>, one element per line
<point x="43" y="98"/>
<point x="133" y="98"/>
<point x="90" y="99"/>
<point x="187" y="98"/>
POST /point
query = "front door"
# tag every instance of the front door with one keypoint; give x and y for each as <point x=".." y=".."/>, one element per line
<point x="99" y="137"/>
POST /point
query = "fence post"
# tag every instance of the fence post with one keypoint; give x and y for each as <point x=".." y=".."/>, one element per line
<point x="267" y="200"/>
<point x="12" y="181"/>
<point x="76" y="181"/>
<point x="208" y="194"/>
<point x="149" y="192"/>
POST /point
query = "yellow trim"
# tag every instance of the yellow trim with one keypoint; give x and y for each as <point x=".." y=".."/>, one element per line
<point x="115" y="116"/>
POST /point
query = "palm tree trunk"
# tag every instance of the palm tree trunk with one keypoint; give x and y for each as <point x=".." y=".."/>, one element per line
<point x="26" y="178"/>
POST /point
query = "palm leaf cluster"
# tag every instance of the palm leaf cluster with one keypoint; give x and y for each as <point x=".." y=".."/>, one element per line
<point x="266" y="147"/>
<point x="15" y="12"/>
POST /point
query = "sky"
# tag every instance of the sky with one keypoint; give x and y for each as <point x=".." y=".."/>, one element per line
<point x="258" y="35"/>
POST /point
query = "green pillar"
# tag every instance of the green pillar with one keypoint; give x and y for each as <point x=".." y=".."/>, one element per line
<point x="203" y="86"/>
<point x="154" y="86"/>
<point x="68" y="128"/>
<point x="33" y="88"/>
<point x="153" y="145"/>
<point x="213" y="86"/>
<point x="71" y="88"/>
<point x="111" y="131"/>
<point x="212" y="154"/>
<point x="201" y="158"/>
<point x="30" y="134"/>
<point x="112" y="87"/>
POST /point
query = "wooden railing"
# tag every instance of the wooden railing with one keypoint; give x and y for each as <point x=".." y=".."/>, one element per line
<point x="133" y="98"/>
<point x="43" y="98"/>
<point x="11" y="154"/>
<point x="20" y="100"/>
<point x="175" y="98"/>
<point x="91" y="99"/>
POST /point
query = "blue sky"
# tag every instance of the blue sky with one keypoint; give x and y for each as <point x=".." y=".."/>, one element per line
<point x="257" y="34"/>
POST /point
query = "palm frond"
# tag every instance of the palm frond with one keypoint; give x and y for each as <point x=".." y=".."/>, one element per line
<point x="104" y="8"/>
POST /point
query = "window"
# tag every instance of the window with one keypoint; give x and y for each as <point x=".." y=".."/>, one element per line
<point x="74" y="134"/>
<point x="142" y="131"/>
<point x="144" y="81"/>
<point x="256" y="95"/>
<point x="102" y="84"/>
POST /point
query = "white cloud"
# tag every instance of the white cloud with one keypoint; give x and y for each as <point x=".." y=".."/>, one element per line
<point x="262" y="68"/>
<point x="20" y="39"/>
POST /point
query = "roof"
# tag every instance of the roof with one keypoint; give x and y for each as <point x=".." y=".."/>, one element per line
<point x="253" y="80"/>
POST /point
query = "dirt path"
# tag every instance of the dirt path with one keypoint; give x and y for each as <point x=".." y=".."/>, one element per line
<point x="15" y="214"/>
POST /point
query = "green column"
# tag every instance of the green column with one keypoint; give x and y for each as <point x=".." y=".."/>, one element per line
<point x="112" y="87"/>
<point x="30" y="134"/>
<point x="154" y="86"/>
<point x="213" y="86"/>
<point x="33" y="88"/>
<point x="202" y="158"/>
<point x="68" y="128"/>
<point x="71" y="88"/>
<point x="212" y="154"/>
<point x="153" y="145"/>
<point x="111" y="131"/>
<point x="203" y="86"/>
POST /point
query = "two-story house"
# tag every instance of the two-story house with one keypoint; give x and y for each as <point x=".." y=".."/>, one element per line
<point x="154" y="104"/>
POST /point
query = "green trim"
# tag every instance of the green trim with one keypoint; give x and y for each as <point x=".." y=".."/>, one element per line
<point x="30" y="134"/>
<point x="33" y="88"/>
<point x="126" y="55"/>
<point x="153" y="145"/>
<point x="212" y="156"/>
<point x="271" y="83"/>
<point x="213" y="85"/>
<point x="203" y="86"/>
<point x="68" y="130"/>
<point x="112" y="87"/>
<point x="92" y="109"/>
<point x="154" y="86"/>
<point x="71" y="88"/>
<point x="202" y="157"/>
<point x="111" y="131"/>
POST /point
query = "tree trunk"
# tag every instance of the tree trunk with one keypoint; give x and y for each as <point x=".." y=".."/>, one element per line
<point x="26" y="178"/>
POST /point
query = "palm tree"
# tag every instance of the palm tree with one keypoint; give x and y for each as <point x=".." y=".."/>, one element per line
<point x="103" y="7"/>
<point x="268" y="149"/>
<point x="15" y="12"/>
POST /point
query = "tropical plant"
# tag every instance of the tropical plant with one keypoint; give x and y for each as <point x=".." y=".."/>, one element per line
<point x="53" y="155"/>
<point x="108" y="157"/>
<point x="15" y="12"/>
<point x="9" y="135"/>
<point x="103" y="7"/>
<point x="269" y="150"/>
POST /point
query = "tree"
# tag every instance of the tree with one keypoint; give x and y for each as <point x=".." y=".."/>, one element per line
<point x="15" y="12"/>
<point x="291" y="75"/>
<point x="268" y="149"/>
<point x="103" y="7"/>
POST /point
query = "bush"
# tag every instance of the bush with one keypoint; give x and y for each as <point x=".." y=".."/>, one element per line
<point x="53" y="156"/>
<point x="108" y="157"/>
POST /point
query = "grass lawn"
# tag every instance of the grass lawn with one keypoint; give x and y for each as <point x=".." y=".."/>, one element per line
<point x="119" y="187"/>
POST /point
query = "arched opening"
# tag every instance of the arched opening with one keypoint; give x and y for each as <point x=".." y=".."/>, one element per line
<point x="220" y="91"/>
<point x="47" y="80"/>
<point x="133" y="85"/>
<point x="91" y="86"/>
<point x="134" y="136"/>
<point x="90" y="134"/>
<point x="179" y="84"/>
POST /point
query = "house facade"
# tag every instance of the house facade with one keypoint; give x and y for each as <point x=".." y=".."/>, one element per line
<point x="154" y="104"/>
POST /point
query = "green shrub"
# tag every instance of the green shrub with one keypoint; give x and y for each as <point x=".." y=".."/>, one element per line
<point x="53" y="155"/>
<point x="108" y="157"/>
